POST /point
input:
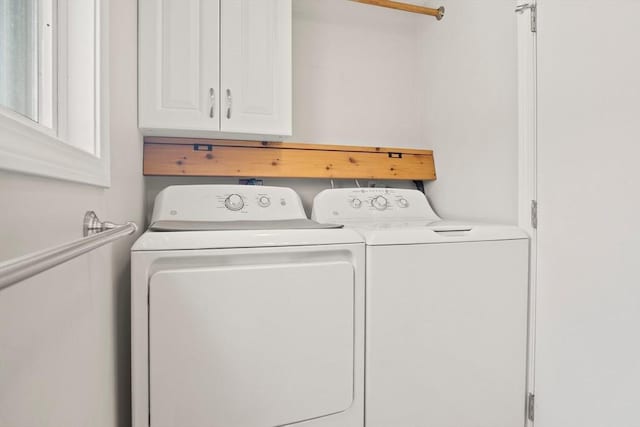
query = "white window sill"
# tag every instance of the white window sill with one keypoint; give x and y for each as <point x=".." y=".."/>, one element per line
<point x="27" y="149"/>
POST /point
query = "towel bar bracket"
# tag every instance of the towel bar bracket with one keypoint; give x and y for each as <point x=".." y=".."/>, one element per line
<point x="92" y="224"/>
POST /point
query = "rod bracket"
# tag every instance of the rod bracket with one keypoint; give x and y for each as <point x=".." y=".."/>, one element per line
<point x="92" y="225"/>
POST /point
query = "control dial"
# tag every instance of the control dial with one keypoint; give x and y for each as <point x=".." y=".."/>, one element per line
<point x="356" y="203"/>
<point x="380" y="203"/>
<point x="264" y="201"/>
<point x="403" y="203"/>
<point x="234" y="202"/>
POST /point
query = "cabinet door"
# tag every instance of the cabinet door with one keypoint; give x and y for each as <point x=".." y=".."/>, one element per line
<point x="179" y="64"/>
<point x="256" y="66"/>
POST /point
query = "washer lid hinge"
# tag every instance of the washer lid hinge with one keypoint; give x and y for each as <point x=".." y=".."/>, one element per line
<point x="531" y="404"/>
<point x="534" y="214"/>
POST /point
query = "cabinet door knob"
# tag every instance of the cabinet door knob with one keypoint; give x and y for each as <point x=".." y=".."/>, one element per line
<point x="229" y="103"/>
<point x="212" y="102"/>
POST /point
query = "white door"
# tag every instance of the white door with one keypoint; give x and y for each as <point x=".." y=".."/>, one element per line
<point x="179" y="64"/>
<point x="446" y="334"/>
<point x="251" y="345"/>
<point x="256" y="66"/>
<point x="588" y="300"/>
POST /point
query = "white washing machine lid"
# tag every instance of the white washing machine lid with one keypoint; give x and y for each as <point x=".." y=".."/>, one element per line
<point x="228" y="239"/>
<point x="421" y="232"/>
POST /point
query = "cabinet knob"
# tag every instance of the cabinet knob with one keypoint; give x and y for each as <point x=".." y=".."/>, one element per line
<point x="229" y="103"/>
<point x="212" y="102"/>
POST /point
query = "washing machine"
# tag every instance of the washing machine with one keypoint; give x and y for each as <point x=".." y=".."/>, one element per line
<point x="245" y="313"/>
<point x="446" y="312"/>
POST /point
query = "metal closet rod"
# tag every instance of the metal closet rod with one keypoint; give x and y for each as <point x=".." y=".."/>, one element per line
<point x="438" y="13"/>
<point x="19" y="269"/>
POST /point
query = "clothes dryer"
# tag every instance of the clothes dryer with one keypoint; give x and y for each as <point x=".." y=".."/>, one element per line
<point x="245" y="313"/>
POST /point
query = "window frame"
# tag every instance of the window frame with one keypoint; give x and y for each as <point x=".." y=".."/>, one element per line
<point x="31" y="148"/>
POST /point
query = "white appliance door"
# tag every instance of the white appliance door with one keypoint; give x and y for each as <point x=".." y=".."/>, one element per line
<point x="447" y="334"/>
<point x="251" y="345"/>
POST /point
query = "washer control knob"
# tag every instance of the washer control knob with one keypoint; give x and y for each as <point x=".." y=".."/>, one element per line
<point x="234" y="202"/>
<point x="403" y="203"/>
<point x="264" y="201"/>
<point x="379" y="203"/>
<point x="356" y="203"/>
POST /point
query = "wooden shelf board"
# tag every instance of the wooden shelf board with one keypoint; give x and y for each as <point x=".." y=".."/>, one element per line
<point x="206" y="157"/>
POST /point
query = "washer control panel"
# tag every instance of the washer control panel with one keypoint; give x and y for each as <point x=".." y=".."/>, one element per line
<point x="371" y="204"/>
<point x="381" y="200"/>
<point x="227" y="203"/>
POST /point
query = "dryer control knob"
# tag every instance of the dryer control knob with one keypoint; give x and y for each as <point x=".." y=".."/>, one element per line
<point x="234" y="202"/>
<point x="264" y="201"/>
<point x="379" y="203"/>
<point x="356" y="203"/>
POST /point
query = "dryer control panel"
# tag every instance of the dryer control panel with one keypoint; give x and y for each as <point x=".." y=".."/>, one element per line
<point x="371" y="204"/>
<point x="227" y="203"/>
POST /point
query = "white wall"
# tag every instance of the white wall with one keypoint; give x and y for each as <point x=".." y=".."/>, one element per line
<point x="470" y="109"/>
<point x="64" y="335"/>
<point x="356" y="75"/>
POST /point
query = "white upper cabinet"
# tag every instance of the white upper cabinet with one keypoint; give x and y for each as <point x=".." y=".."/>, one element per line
<point x="255" y="66"/>
<point x="179" y="64"/>
<point x="215" y="68"/>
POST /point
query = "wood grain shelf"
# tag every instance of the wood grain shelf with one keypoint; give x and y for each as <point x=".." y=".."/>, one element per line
<point x="216" y="157"/>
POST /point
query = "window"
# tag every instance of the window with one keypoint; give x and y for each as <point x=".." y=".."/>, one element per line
<point x="53" y="119"/>
<point x="19" y="57"/>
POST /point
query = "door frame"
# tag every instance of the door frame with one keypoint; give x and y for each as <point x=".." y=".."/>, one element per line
<point x="527" y="171"/>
